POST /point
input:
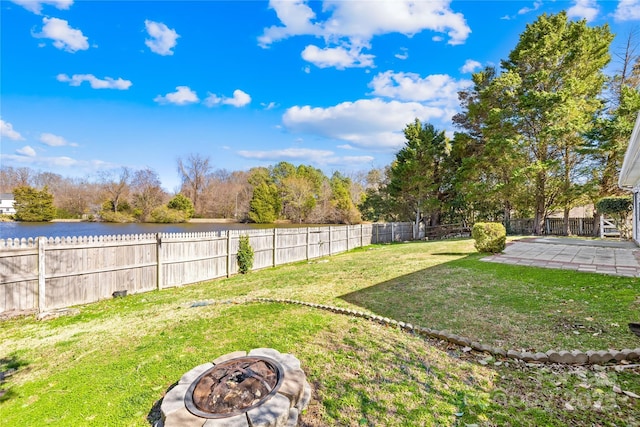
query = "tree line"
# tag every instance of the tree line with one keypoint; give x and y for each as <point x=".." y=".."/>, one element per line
<point x="544" y="132"/>
<point x="300" y="194"/>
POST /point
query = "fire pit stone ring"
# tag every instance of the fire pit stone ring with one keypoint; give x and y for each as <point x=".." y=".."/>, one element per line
<point x="259" y="388"/>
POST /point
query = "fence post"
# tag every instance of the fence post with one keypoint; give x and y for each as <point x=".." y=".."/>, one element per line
<point x="159" y="277"/>
<point x="42" y="296"/>
<point x="581" y="226"/>
<point x="308" y="235"/>
<point x="377" y="233"/>
<point x="275" y="240"/>
<point x="393" y="237"/>
<point x="329" y="240"/>
<point x="546" y="223"/>
<point x="228" y="253"/>
<point x="347" y="238"/>
<point x="361" y="236"/>
<point x="602" y="226"/>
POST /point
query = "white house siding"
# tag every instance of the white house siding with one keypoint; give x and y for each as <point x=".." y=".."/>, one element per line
<point x="630" y="176"/>
<point x="636" y="216"/>
<point x="6" y="204"/>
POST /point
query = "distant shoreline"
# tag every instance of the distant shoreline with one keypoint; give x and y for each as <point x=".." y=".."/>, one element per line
<point x="192" y="220"/>
<point x="214" y="220"/>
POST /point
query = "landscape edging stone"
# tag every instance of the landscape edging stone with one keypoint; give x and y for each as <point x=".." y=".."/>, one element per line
<point x="574" y="357"/>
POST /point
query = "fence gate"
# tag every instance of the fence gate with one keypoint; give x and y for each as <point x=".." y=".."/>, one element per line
<point x="608" y="228"/>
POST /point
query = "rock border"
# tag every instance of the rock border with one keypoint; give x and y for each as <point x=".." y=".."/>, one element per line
<point x="574" y="357"/>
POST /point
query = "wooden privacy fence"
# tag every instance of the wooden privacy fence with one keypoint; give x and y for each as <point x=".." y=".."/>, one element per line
<point x="49" y="273"/>
<point x="552" y="226"/>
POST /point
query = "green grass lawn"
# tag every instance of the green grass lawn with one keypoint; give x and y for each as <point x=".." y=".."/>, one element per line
<point x="111" y="363"/>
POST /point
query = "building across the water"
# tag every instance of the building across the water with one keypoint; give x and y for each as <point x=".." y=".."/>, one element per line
<point x="6" y="204"/>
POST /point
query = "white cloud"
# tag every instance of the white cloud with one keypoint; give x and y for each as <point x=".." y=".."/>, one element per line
<point x="296" y="17"/>
<point x="627" y="10"/>
<point x="63" y="36"/>
<point x="354" y="160"/>
<point x="350" y="25"/>
<point x="182" y="96"/>
<point x="525" y="10"/>
<point x="59" y="164"/>
<point x="7" y="131"/>
<point x="55" y="141"/>
<point x="35" y="6"/>
<point x="42" y="162"/>
<point x="26" y="151"/>
<point x="404" y="53"/>
<point x="358" y="20"/>
<point x="470" y="66"/>
<point x="239" y="99"/>
<point x="307" y="155"/>
<point x="163" y="38"/>
<point x="340" y="57"/>
<point x="439" y="90"/>
<point x="96" y="83"/>
<point x="287" y="153"/>
<point x="584" y="9"/>
<point x="270" y="106"/>
<point x="371" y="123"/>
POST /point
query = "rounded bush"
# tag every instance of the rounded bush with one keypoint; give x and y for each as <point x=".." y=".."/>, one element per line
<point x="490" y="237"/>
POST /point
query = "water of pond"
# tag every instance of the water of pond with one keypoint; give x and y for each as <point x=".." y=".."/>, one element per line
<point x="13" y="230"/>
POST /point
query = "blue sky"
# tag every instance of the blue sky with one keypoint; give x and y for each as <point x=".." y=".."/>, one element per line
<point x="93" y="85"/>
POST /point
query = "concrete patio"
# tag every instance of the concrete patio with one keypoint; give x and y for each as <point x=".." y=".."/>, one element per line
<point x="591" y="256"/>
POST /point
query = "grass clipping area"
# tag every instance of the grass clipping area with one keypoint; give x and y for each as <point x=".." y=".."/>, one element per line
<point x="111" y="363"/>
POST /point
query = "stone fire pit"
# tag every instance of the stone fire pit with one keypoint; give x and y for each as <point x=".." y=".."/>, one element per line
<point x="261" y="388"/>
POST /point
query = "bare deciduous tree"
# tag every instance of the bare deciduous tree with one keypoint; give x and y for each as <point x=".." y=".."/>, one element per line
<point x="193" y="173"/>
<point x="147" y="192"/>
<point x="116" y="185"/>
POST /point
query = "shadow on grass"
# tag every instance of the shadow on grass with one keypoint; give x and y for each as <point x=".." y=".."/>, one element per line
<point x="453" y="253"/>
<point x="8" y="366"/>
<point x="423" y="297"/>
<point x="507" y="306"/>
<point x="154" y="415"/>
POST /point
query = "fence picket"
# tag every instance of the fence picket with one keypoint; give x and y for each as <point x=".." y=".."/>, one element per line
<point x="49" y="273"/>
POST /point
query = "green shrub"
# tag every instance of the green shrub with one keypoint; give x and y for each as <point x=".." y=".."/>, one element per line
<point x="618" y="208"/>
<point x="489" y="237"/>
<point x="245" y="255"/>
<point x="33" y="205"/>
<point x="118" y="217"/>
<point x="165" y="215"/>
<point x="615" y="205"/>
<point x="182" y="203"/>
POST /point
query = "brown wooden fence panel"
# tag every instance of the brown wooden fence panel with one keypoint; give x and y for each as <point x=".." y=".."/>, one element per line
<point x="192" y="257"/>
<point x="18" y="275"/>
<point x="291" y="245"/>
<point x="44" y="274"/>
<point x="552" y="226"/>
<point x="80" y="270"/>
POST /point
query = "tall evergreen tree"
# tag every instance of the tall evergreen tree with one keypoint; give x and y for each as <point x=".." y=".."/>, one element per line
<point x="608" y="140"/>
<point x="417" y="175"/>
<point x="550" y="85"/>
<point x="265" y="204"/>
<point x="33" y="205"/>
